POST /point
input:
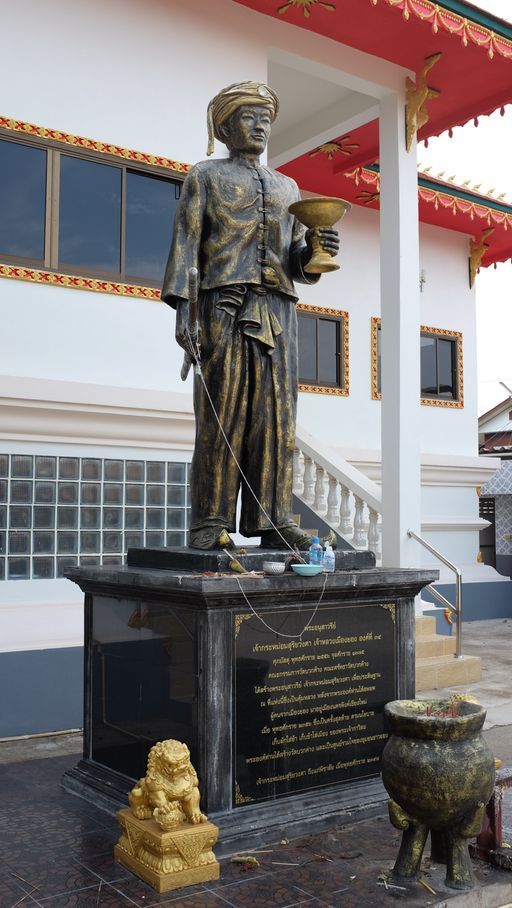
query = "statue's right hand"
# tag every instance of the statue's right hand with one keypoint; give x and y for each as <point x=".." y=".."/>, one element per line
<point x="182" y="323"/>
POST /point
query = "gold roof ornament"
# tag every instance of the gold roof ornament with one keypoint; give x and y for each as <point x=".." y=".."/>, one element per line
<point x="341" y="146"/>
<point x="305" y="6"/>
<point x="418" y="93"/>
<point x="477" y="250"/>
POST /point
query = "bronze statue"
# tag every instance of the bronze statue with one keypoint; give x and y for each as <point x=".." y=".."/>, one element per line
<point x="233" y="225"/>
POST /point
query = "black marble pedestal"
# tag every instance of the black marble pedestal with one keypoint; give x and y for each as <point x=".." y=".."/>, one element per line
<point x="283" y="716"/>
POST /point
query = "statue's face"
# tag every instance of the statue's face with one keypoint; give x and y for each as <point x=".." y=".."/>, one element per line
<point x="248" y="129"/>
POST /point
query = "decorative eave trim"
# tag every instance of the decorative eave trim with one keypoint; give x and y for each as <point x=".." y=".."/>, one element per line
<point x="441" y="198"/>
<point x="344" y="318"/>
<point x="66" y="138"/>
<point x="439" y="18"/>
<point x="425" y="401"/>
<point x="433" y="13"/>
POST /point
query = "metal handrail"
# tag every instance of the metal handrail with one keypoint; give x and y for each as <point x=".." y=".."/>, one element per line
<point x="457" y="608"/>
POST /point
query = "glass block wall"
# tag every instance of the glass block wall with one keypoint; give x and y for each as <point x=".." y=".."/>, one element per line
<point x="57" y="512"/>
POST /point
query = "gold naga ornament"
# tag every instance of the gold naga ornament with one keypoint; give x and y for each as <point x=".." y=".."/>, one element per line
<point x="477" y="250"/>
<point x="417" y="95"/>
<point x="166" y="840"/>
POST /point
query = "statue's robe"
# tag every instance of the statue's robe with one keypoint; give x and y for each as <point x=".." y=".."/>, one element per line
<point x="233" y="224"/>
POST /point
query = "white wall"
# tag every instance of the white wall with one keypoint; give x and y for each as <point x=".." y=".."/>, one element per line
<point x="140" y="75"/>
<point x="446" y="302"/>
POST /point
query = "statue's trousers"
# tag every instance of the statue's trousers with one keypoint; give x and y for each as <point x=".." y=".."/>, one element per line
<point x="249" y="365"/>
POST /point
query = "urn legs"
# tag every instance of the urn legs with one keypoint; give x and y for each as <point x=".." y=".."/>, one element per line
<point x="448" y="846"/>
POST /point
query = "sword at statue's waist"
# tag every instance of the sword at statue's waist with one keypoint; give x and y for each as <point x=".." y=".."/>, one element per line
<point x="192" y="356"/>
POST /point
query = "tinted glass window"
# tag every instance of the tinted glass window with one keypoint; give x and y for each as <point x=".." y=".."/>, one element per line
<point x="90" y="215"/>
<point x="446" y="366"/>
<point x="328" y="350"/>
<point x="428" y="365"/>
<point x="307" y="348"/>
<point x="22" y="200"/>
<point x="150" y="208"/>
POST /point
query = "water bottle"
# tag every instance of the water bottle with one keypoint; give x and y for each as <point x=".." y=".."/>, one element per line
<point x="316" y="552"/>
<point x="329" y="560"/>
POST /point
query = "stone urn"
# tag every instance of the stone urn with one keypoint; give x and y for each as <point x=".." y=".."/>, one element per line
<point x="439" y="773"/>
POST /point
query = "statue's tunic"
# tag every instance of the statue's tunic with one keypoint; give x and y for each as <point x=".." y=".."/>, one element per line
<point x="233" y="224"/>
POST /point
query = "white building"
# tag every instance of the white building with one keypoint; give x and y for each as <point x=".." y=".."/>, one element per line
<point x="105" y="110"/>
<point x="495" y="438"/>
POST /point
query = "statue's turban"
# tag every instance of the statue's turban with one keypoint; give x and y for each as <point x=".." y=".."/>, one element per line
<point x="231" y="98"/>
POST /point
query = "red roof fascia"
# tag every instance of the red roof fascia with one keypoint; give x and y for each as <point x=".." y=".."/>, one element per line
<point x="474" y="75"/>
<point x="439" y="204"/>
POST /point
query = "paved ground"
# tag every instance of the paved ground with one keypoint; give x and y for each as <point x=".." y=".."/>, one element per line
<point x="56" y="850"/>
<point x="492" y="641"/>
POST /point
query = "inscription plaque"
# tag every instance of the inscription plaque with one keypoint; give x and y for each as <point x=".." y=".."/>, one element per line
<point x="309" y="712"/>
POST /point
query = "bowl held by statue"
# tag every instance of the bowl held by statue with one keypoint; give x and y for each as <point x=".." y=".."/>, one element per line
<point x="319" y="211"/>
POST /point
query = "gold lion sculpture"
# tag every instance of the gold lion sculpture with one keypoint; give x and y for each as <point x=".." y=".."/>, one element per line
<point x="169" y="791"/>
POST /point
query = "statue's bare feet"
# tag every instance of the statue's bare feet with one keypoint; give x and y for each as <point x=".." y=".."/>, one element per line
<point x="286" y="536"/>
<point x="215" y="537"/>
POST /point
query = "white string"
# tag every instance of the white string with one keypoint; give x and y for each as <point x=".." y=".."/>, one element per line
<point x="195" y="353"/>
<point x="272" y="629"/>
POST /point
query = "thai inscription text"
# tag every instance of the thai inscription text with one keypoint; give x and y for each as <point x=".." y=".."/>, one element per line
<point x="309" y="711"/>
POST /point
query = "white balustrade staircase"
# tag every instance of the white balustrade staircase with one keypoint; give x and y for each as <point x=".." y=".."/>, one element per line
<point x="332" y="494"/>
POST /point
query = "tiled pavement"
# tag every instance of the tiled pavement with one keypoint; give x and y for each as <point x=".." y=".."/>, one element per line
<point x="56" y="851"/>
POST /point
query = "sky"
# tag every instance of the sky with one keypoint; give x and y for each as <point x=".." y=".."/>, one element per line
<point x="483" y="154"/>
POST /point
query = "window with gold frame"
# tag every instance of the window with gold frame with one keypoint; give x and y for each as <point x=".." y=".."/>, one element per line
<point x="73" y="210"/>
<point x="442" y="377"/>
<point x="323" y="336"/>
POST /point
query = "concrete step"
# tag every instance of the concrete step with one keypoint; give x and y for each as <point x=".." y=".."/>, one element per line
<point x="434" y="645"/>
<point x="434" y="672"/>
<point x="425" y="624"/>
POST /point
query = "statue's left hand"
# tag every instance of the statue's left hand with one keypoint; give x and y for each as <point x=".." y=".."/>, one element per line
<point x="328" y="238"/>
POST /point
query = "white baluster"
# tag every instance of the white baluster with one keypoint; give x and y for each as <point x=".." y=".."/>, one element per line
<point x="309" y="480"/>
<point x="359" y="526"/>
<point x="298" y="485"/>
<point x="345" y="526"/>
<point x="332" y="501"/>
<point x="373" y="533"/>
<point x="320" y="502"/>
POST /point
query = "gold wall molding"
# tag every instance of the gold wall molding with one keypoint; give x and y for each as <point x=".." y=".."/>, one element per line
<point x="375" y="325"/>
<point x="345" y="351"/>
<point x="76" y="282"/>
<point x="425" y="401"/>
<point x="78" y="142"/>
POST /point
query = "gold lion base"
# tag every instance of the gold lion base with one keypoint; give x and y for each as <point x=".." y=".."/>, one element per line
<point x="167" y="860"/>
